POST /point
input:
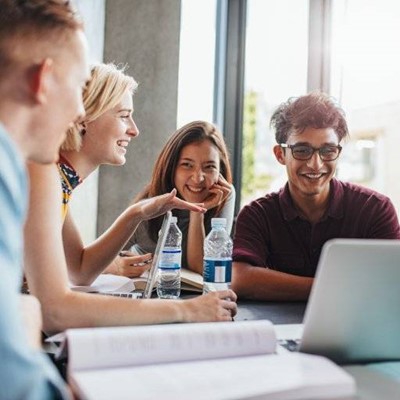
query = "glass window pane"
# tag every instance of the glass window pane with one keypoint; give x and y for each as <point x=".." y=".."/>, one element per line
<point x="365" y="78"/>
<point x="196" y="61"/>
<point x="275" y="69"/>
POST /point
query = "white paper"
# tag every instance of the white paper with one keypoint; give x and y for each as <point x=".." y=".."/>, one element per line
<point x="191" y="279"/>
<point x="272" y="377"/>
<point x="127" y="346"/>
<point x="108" y="283"/>
<point x="202" y="361"/>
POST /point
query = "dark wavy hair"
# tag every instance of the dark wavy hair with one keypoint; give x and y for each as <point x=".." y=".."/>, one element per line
<point x="316" y="110"/>
<point x="164" y="169"/>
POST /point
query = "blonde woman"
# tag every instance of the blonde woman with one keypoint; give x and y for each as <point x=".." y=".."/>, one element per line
<point x="102" y="137"/>
<point x="53" y="243"/>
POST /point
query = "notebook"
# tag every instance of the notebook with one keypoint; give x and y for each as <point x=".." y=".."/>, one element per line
<point x="353" y="313"/>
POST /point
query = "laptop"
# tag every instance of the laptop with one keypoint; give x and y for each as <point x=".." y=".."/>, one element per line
<point x="152" y="272"/>
<point x="353" y="313"/>
<point x="150" y="275"/>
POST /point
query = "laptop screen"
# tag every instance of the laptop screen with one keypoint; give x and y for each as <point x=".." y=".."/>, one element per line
<point x="353" y="310"/>
<point x="152" y="275"/>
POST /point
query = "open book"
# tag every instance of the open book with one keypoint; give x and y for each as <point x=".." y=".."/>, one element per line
<point x="190" y="281"/>
<point x="197" y="361"/>
<point x="109" y="283"/>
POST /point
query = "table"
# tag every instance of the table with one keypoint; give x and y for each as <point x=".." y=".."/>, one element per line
<point x="277" y="313"/>
<point x="371" y="384"/>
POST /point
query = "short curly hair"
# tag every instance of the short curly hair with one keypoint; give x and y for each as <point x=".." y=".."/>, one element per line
<point x="316" y="110"/>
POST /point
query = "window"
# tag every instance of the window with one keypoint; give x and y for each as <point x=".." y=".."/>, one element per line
<point x="275" y="69"/>
<point x="365" y="78"/>
<point x="196" y="61"/>
<point x="287" y="54"/>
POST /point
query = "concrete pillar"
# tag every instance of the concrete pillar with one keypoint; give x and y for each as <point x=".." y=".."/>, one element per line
<point x="145" y="35"/>
<point x="84" y="203"/>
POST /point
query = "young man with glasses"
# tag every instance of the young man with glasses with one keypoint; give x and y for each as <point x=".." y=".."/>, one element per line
<point x="279" y="237"/>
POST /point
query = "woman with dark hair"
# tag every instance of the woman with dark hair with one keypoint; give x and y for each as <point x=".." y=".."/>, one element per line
<point x="194" y="161"/>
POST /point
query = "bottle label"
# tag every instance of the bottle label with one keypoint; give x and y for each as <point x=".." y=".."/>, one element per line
<point x="171" y="258"/>
<point x="218" y="271"/>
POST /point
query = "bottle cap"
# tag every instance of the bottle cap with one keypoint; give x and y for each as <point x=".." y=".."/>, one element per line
<point x="174" y="219"/>
<point x="218" y="222"/>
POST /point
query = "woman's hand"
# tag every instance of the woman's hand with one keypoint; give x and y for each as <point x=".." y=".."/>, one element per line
<point x="159" y="205"/>
<point x="130" y="264"/>
<point x="218" y="193"/>
<point x="214" y="306"/>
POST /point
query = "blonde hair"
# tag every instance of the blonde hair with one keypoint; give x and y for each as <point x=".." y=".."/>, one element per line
<point x="107" y="85"/>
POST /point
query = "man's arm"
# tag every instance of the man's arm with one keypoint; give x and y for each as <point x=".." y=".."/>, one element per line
<point x="260" y="283"/>
<point x="381" y="221"/>
<point x="261" y="230"/>
<point x="32" y="318"/>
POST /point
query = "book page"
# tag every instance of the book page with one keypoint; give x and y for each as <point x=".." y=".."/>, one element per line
<point x="128" y="346"/>
<point x="289" y="377"/>
<point x="107" y="283"/>
<point x="140" y="283"/>
<point x="191" y="279"/>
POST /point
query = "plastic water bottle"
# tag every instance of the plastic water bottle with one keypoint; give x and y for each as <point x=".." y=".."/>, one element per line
<point x="217" y="270"/>
<point x="169" y="268"/>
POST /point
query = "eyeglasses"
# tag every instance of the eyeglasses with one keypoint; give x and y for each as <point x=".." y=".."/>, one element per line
<point x="304" y="152"/>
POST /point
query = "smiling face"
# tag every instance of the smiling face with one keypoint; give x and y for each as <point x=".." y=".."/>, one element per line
<point x="197" y="170"/>
<point x="309" y="178"/>
<point x="107" y="137"/>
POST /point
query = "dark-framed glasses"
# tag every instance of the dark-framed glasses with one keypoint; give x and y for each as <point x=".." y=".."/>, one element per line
<point x="304" y="152"/>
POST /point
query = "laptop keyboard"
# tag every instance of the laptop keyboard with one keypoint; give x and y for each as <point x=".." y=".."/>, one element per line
<point x="131" y="295"/>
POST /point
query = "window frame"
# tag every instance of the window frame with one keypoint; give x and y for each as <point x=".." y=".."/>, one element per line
<point x="230" y="70"/>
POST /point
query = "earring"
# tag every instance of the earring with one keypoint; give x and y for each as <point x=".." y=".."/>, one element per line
<point x="83" y="131"/>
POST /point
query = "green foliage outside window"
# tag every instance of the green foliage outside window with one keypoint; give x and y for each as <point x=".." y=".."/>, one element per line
<point x="251" y="182"/>
<point x="249" y="143"/>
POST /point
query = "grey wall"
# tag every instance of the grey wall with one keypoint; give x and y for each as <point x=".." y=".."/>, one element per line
<point x="144" y="34"/>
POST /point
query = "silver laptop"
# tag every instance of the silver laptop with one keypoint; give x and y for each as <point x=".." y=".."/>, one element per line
<point x="152" y="274"/>
<point x="353" y="313"/>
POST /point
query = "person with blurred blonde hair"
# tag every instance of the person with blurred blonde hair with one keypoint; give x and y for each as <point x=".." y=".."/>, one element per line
<point x="102" y="137"/>
<point x="43" y="53"/>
